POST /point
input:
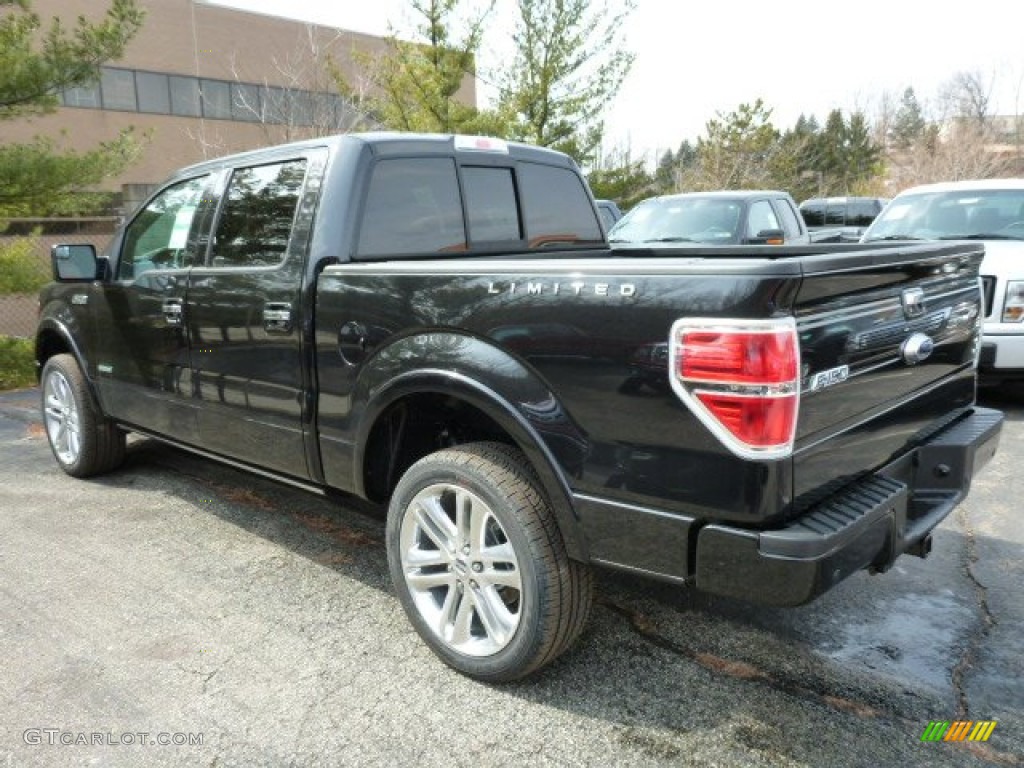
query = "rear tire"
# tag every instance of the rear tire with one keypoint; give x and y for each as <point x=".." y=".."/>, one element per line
<point x="83" y="441"/>
<point x="479" y="563"/>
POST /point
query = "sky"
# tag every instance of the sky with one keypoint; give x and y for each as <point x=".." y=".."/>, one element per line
<point x="695" y="60"/>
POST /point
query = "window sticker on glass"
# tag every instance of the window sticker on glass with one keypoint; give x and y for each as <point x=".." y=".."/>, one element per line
<point x="182" y="224"/>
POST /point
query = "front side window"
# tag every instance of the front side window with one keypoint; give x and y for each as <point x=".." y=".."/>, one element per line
<point x="412" y="206"/>
<point x="257" y="214"/>
<point x="789" y="221"/>
<point x="556" y="207"/>
<point x="761" y="217"/>
<point x="161" y="235"/>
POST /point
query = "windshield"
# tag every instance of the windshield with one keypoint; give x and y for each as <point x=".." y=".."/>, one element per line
<point x="671" y="220"/>
<point x="981" y="214"/>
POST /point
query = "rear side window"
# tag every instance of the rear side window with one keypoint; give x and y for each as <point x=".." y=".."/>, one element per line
<point x="491" y="204"/>
<point x="412" y="206"/>
<point x="556" y="207"/>
<point x="258" y="211"/>
<point x="862" y="212"/>
<point x="836" y="213"/>
<point x="813" y="212"/>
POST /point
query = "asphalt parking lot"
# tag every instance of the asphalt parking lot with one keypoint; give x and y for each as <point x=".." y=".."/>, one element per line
<point x="177" y="612"/>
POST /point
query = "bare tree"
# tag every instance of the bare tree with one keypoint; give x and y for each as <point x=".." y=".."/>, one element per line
<point x="305" y="99"/>
<point x="967" y="96"/>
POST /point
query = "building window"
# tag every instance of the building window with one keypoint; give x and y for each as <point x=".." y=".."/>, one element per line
<point x="154" y="93"/>
<point x="85" y="96"/>
<point x="184" y="96"/>
<point x="245" y="103"/>
<point x="157" y="93"/>
<point x="117" y="87"/>
<point x="216" y="98"/>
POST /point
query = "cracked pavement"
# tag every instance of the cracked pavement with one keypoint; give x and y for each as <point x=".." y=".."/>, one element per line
<point x="179" y="596"/>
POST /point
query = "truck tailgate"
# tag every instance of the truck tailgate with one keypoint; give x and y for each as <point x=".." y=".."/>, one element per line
<point x="888" y="343"/>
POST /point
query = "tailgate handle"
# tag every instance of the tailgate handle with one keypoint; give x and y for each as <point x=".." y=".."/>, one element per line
<point x="277" y="317"/>
<point x="172" y="311"/>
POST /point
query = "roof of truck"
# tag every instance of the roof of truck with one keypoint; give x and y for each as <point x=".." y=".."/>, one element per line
<point x="387" y="142"/>
<point x="969" y="185"/>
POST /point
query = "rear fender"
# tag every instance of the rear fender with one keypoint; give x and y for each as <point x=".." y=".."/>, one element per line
<point x="497" y="384"/>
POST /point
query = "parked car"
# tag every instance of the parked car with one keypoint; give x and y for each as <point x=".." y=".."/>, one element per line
<point x="610" y="213"/>
<point x="740" y="217"/>
<point x="840" y="219"/>
<point x="436" y="324"/>
<point x="992" y="211"/>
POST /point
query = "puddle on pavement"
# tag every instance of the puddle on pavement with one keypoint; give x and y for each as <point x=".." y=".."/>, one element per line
<point x="915" y="638"/>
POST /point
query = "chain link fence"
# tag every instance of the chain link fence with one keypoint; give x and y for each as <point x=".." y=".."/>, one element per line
<point x="25" y="263"/>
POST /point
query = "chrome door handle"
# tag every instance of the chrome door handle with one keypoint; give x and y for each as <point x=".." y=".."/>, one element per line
<point x="277" y="317"/>
<point x="173" y="311"/>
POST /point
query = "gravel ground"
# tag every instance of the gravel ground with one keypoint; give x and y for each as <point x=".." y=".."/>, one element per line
<point x="178" y="600"/>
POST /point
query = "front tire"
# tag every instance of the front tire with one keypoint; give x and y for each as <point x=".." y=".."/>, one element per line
<point x="83" y="441"/>
<point x="479" y="564"/>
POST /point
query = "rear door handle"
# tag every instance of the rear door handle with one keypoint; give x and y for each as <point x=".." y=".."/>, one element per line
<point x="172" y="311"/>
<point x="277" y="317"/>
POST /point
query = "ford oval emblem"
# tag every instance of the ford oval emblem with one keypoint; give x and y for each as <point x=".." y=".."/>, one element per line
<point x="916" y="348"/>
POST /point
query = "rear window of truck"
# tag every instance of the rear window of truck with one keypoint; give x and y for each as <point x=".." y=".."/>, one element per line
<point x="414" y="206"/>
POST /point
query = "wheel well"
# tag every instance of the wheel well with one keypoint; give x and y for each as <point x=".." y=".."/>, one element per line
<point x="48" y="344"/>
<point x="415" y="426"/>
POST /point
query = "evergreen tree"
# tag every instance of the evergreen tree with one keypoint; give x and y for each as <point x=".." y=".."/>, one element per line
<point x="568" y="66"/>
<point x="908" y="123"/>
<point x="37" y="62"/>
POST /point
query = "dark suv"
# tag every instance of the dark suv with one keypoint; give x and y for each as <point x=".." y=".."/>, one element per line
<point x="849" y="216"/>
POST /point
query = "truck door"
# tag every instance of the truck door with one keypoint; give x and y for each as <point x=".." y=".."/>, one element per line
<point x="143" y="368"/>
<point x="244" y="319"/>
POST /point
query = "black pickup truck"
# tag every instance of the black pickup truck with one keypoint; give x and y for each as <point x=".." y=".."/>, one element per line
<point x="436" y="324"/>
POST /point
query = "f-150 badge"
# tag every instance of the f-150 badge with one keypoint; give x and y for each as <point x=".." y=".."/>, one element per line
<point x="828" y="378"/>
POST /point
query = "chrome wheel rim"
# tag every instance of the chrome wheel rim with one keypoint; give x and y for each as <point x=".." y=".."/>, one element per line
<point x="60" y="412"/>
<point x="461" y="570"/>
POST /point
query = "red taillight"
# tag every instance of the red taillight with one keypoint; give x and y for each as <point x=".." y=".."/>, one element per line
<point x="737" y="357"/>
<point x="741" y="378"/>
<point x="760" y="422"/>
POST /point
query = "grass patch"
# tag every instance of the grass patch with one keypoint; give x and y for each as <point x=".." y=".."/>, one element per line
<point x="17" y="363"/>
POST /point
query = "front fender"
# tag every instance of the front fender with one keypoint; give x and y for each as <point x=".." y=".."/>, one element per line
<point x="494" y="382"/>
<point x="53" y="336"/>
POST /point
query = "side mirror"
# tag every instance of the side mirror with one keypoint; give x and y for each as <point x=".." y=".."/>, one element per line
<point x="768" y="237"/>
<point x="75" y="263"/>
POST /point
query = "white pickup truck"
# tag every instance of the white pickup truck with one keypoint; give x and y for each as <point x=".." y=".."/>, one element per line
<point x="990" y="210"/>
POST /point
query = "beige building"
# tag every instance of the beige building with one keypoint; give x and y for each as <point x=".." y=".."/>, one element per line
<point x="202" y="80"/>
